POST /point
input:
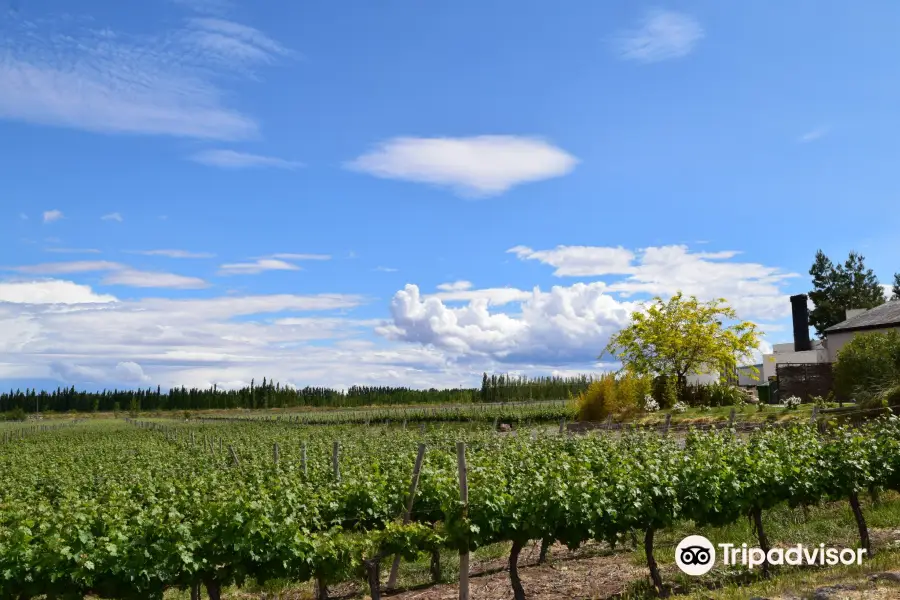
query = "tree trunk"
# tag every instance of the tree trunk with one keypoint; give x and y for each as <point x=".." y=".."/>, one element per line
<point x="545" y="549"/>
<point x="875" y="495"/>
<point x="518" y="590"/>
<point x="213" y="590"/>
<point x="372" y="574"/>
<point x="655" y="577"/>
<point x="195" y="591"/>
<point x="321" y="589"/>
<point x="861" y="524"/>
<point x="435" y="566"/>
<point x="756" y="513"/>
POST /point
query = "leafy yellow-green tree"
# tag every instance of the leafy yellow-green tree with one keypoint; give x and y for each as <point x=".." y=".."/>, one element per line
<point x="683" y="336"/>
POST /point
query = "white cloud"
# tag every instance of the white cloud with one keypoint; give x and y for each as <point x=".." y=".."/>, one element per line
<point x="813" y="135"/>
<point x="199" y="342"/>
<point x="50" y="215"/>
<point x="257" y="266"/>
<point x="754" y="290"/>
<point x="473" y="166"/>
<point x="493" y="296"/>
<point x="50" y="292"/>
<point x="291" y="256"/>
<point x="232" y="42"/>
<point x="131" y="372"/>
<point x="72" y="250"/>
<point x="572" y="324"/>
<point x="174" y="253"/>
<point x="229" y="159"/>
<point x="580" y="260"/>
<point x="456" y="286"/>
<point x="62" y="268"/>
<point x="117" y="274"/>
<point x="564" y="325"/>
<point x="23" y="216"/>
<point x="385" y="269"/>
<point x="70" y="73"/>
<point x="112" y="217"/>
<point x="207" y="6"/>
<point x="662" y="35"/>
<point x="149" y="279"/>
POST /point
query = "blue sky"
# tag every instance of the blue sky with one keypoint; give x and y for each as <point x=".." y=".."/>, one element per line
<point x="205" y="191"/>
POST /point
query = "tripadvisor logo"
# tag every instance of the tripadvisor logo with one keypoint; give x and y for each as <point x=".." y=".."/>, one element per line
<point x="696" y="555"/>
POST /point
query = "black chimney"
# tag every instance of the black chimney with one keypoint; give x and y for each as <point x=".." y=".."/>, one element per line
<point x="800" y="313"/>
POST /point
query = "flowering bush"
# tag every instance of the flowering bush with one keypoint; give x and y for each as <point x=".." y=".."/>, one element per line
<point x="792" y="402"/>
<point x="679" y="407"/>
<point x="650" y="405"/>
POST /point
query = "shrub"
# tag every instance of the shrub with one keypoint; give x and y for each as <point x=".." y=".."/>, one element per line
<point x="868" y="367"/>
<point x="650" y="405"/>
<point x="612" y="394"/>
<point x="792" y="403"/>
<point x="679" y="407"/>
<point x="16" y="414"/>
<point x="722" y="394"/>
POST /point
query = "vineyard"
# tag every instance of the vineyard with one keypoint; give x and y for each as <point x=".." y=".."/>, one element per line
<point x="129" y="509"/>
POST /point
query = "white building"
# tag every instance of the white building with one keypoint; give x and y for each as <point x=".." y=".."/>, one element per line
<point x="860" y="321"/>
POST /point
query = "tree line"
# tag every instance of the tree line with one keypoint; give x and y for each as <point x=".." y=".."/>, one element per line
<point x="269" y="394"/>
<point x="838" y="287"/>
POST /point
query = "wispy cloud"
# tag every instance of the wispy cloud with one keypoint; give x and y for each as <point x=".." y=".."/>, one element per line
<point x="229" y="159"/>
<point x="151" y="279"/>
<point x="215" y="7"/>
<point x="70" y="73"/>
<point x="474" y="166"/>
<point x="112" y="217"/>
<point x="232" y="42"/>
<point x="72" y="250"/>
<point x="813" y="135"/>
<point x="385" y="269"/>
<point x="52" y="215"/>
<point x="291" y="256"/>
<point x="23" y="216"/>
<point x="257" y="266"/>
<point x="173" y="253"/>
<point x="662" y="35"/>
<point x="456" y="286"/>
<point x="116" y="274"/>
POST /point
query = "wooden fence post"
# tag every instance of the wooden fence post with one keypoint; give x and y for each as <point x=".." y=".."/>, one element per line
<point x="731" y="418"/>
<point x="392" y="580"/>
<point x="464" y="498"/>
<point x="234" y="455"/>
<point x="668" y="422"/>
<point x="334" y="461"/>
<point x="275" y="453"/>
<point x="303" y="458"/>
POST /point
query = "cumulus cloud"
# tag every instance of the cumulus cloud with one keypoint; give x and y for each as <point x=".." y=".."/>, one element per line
<point x="198" y="342"/>
<point x="70" y="72"/>
<point x="50" y="215"/>
<point x="478" y="166"/>
<point x="564" y="325"/>
<point x="256" y="267"/>
<point x="753" y="289"/>
<point x="229" y="159"/>
<point x="572" y="324"/>
<point x="662" y="35"/>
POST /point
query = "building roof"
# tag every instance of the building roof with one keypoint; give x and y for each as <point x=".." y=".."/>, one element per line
<point x="884" y="316"/>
